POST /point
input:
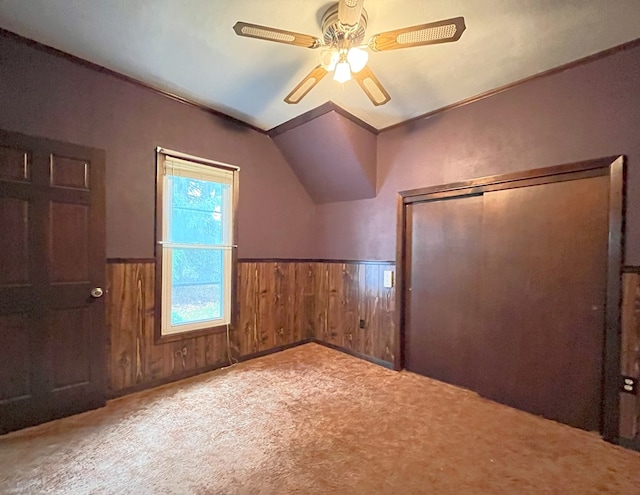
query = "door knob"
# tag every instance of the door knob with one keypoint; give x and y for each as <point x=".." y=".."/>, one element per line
<point x="96" y="292"/>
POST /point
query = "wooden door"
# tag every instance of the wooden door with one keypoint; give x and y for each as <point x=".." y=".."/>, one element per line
<point x="543" y="299"/>
<point x="52" y="331"/>
<point x="445" y="256"/>
<point x="506" y="293"/>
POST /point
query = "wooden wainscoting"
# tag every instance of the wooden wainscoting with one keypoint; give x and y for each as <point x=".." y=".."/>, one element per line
<point x="630" y="355"/>
<point x="135" y="360"/>
<point x="355" y="312"/>
<point x="281" y="303"/>
<point x="276" y="305"/>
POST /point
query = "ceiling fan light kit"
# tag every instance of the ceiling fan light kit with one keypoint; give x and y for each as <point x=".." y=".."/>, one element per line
<point x="357" y="58"/>
<point x="342" y="74"/>
<point x="343" y="31"/>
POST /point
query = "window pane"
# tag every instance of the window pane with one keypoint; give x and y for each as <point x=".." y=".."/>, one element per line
<point x="197" y="210"/>
<point x="196" y="285"/>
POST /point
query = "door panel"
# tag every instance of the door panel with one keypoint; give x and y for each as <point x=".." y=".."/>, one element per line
<point x="53" y="357"/>
<point x="69" y="237"/>
<point x="14" y="261"/>
<point x="15" y="164"/>
<point x="445" y="257"/>
<point x="15" y="369"/>
<point x="69" y="348"/>
<point x="69" y="172"/>
<point x="543" y="298"/>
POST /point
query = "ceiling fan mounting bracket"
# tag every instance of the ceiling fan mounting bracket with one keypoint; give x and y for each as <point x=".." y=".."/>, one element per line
<point x="334" y="32"/>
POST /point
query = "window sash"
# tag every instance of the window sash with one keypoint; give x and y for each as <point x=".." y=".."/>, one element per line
<point x="227" y="206"/>
<point x="173" y="166"/>
<point x="168" y="328"/>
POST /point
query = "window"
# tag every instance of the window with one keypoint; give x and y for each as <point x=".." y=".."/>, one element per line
<point x="195" y="253"/>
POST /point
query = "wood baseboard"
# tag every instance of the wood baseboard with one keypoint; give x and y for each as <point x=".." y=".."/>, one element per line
<point x="371" y="359"/>
<point x="629" y="443"/>
<point x="191" y="373"/>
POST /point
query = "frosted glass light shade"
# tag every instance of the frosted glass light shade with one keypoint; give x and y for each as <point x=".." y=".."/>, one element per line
<point x="357" y="58"/>
<point x="342" y="73"/>
<point x="329" y="59"/>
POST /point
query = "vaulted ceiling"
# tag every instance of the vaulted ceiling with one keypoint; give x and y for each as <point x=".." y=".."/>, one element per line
<point x="189" y="48"/>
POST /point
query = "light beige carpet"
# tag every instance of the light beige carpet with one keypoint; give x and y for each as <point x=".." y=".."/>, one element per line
<point x="311" y="420"/>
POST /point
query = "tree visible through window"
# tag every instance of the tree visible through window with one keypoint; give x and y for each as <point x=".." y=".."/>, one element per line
<point x="197" y="242"/>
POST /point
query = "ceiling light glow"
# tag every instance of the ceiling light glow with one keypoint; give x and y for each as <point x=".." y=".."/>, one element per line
<point x="342" y="73"/>
<point x="357" y="58"/>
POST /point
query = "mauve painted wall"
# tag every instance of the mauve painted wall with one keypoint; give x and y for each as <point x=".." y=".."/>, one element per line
<point x="334" y="158"/>
<point x="586" y="112"/>
<point x="45" y="95"/>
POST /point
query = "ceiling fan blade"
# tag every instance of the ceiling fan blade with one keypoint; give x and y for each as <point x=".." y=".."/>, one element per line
<point x="371" y="86"/>
<point x="306" y="85"/>
<point x="444" y="31"/>
<point x="349" y="12"/>
<point x="278" y="35"/>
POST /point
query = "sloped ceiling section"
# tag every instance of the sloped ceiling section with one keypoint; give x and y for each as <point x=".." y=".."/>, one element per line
<point x="333" y="157"/>
<point x="188" y="48"/>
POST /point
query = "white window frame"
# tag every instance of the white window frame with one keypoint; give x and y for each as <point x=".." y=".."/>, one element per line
<point x="173" y="163"/>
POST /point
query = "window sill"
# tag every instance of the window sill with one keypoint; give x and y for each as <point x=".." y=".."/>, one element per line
<point x="177" y="337"/>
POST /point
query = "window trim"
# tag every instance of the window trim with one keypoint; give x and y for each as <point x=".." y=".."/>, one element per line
<point x="158" y="251"/>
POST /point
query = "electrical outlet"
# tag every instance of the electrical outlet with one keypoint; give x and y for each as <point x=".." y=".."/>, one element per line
<point x="629" y="385"/>
<point x="388" y="278"/>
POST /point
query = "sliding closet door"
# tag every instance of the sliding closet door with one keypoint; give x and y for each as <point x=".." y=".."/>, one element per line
<point x="544" y="272"/>
<point x="505" y="291"/>
<point x="445" y="239"/>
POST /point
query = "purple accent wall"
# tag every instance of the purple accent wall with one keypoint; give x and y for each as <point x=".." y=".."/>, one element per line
<point x="586" y="112"/>
<point x="46" y="95"/>
<point x="334" y="158"/>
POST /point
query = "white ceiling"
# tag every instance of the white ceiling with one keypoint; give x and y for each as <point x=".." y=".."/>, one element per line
<point x="188" y="47"/>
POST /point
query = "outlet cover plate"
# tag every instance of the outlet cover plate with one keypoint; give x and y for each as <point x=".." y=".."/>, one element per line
<point x="629" y="385"/>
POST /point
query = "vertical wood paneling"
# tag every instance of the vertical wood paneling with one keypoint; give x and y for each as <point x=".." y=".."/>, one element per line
<point x="370" y="304"/>
<point x="322" y="301"/>
<point x="130" y="302"/>
<point x="280" y="303"/>
<point x="198" y="351"/>
<point x="285" y="292"/>
<point x="267" y="273"/>
<point x="355" y="292"/>
<point x="335" y="329"/>
<point x="248" y="299"/>
<point x="135" y="358"/>
<point x="343" y="311"/>
<point x="387" y="329"/>
<point x="630" y="355"/>
<point x="305" y="301"/>
<point x="350" y="304"/>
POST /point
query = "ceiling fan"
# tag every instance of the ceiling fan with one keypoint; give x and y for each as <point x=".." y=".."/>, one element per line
<point x="342" y="49"/>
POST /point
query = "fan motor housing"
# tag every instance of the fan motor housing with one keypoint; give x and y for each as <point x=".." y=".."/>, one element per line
<point x="333" y="31"/>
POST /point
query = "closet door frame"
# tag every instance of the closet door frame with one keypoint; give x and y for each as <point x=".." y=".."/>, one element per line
<point x="613" y="167"/>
